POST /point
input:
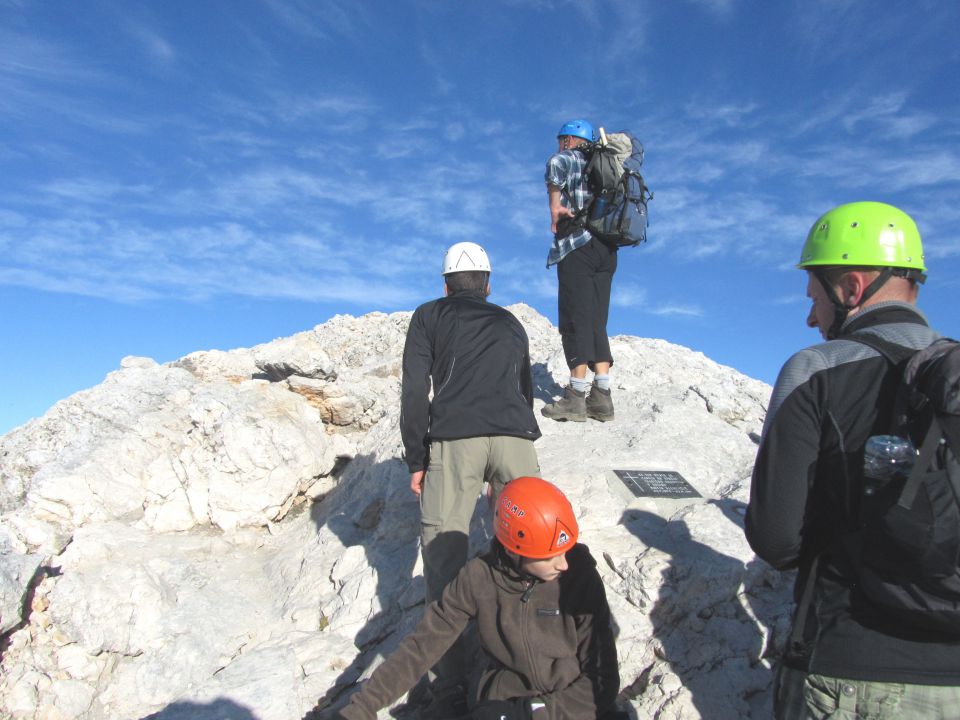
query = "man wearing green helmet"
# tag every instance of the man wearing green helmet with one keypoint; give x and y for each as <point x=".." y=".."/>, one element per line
<point x="845" y="656"/>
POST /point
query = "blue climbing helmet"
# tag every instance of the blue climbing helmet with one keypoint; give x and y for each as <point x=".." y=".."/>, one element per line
<point x="578" y="128"/>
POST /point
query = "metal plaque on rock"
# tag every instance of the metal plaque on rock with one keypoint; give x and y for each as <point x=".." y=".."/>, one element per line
<point x="657" y="483"/>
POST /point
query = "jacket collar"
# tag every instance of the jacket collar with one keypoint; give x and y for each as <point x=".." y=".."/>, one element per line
<point x="883" y="313"/>
<point x="507" y="575"/>
<point x="478" y="294"/>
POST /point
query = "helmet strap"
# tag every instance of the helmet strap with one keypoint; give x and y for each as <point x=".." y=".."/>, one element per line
<point x="840" y="309"/>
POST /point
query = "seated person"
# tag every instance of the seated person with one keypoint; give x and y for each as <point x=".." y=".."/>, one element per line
<point x="542" y="619"/>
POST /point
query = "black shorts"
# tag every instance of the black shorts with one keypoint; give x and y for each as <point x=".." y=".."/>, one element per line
<point x="585" y="277"/>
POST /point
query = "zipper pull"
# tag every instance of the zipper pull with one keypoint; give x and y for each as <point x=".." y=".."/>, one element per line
<point x="527" y="592"/>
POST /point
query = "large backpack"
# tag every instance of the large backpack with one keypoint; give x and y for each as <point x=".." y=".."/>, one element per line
<point x="909" y="537"/>
<point x="617" y="215"/>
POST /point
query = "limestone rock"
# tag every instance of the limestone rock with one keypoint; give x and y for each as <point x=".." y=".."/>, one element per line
<point x="17" y="571"/>
<point x="300" y="355"/>
<point x="232" y="534"/>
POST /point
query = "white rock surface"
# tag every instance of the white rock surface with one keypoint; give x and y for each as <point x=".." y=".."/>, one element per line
<point x="232" y="534"/>
<point x="17" y="570"/>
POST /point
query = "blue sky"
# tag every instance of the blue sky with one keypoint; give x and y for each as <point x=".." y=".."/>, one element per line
<point x="179" y="176"/>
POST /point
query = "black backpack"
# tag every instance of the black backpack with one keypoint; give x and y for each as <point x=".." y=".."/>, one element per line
<point x="617" y="215"/>
<point x="909" y="537"/>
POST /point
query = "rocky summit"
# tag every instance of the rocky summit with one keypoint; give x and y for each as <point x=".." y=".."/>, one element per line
<point x="232" y="534"/>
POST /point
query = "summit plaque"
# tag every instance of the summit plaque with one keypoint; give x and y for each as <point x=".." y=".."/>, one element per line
<point x="657" y="483"/>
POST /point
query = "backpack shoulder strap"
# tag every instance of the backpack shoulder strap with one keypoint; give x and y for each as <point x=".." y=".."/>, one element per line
<point x="894" y="353"/>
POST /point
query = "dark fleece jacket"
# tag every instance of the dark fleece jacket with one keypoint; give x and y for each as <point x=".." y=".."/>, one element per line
<point x="546" y="640"/>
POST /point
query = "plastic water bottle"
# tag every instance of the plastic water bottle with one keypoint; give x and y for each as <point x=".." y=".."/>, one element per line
<point x="886" y="457"/>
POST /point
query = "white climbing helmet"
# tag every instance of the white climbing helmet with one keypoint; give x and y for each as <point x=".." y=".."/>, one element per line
<point x="464" y="257"/>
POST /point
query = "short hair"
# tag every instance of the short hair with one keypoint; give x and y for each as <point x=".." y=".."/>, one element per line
<point x="467" y="280"/>
<point x="833" y="273"/>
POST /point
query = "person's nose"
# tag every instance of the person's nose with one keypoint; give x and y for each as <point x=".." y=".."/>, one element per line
<point x="812" y="317"/>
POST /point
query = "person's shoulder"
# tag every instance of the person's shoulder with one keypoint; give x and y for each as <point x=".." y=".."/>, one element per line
<point x="429" y="311"/>
<point x="811" y="360"/>
<point x="513" y="321"/>
<point x="580" y="558"/>
<point x="581" y="567"/>
<point x="429" y="304"/>
<point x="564" y="157"/>
<point x="581" y="584"/>
<point x="476" y="574"/>
<point x="501" y="311"/>
<point x="803" y="369"/>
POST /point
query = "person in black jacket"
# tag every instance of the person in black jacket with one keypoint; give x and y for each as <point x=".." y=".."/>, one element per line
<point x="846" y="656"/>
<point x="479" y="427"/>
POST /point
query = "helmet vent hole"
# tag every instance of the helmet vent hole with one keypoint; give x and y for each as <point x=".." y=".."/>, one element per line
<point x="846" y="256"/>
<point x="854" y="224"/>
<point x="521" y="534"/>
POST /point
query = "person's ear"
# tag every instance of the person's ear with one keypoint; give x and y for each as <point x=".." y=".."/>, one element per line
<point x="851" y="287"/>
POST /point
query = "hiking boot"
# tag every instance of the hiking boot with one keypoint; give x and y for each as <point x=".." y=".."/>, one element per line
<point x="447" y="704"/>
<point x="599" y="404"/>
<point x="572" y="406"/>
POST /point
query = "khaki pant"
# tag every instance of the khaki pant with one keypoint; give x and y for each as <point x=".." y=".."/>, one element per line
<point x="802" y="696"/>
<point x="454" y="479"/>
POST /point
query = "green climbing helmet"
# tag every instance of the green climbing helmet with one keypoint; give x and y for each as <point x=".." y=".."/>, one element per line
<point x="870" y="234"/>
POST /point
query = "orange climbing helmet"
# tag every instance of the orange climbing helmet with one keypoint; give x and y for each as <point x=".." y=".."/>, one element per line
<point x="534" y="519"/>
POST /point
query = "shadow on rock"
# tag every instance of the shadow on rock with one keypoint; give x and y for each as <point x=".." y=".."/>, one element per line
<point x="374" y="508"/>
<point x="220" y="709"/>
<point x="544" y="386"/>
<point x="709" y="640"/>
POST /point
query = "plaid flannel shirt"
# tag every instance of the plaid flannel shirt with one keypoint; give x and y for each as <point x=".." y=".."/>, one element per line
<point x="565" y="170"/>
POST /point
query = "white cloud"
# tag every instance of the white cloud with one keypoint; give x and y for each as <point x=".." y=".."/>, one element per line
<point x="731" y="115"/>
<point x="321" y="18"/>
<point x="130" y="263"/>
<point x="674" y="310"/>
<point x="628" y="295"/>
<point x="795" y="299"/>
<point x="454" y="131"/>
<point x="155" y="46"/>
<point x="720" y="8"/>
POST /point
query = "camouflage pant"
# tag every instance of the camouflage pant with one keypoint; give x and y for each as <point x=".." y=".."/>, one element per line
<point x="802" y="696"/>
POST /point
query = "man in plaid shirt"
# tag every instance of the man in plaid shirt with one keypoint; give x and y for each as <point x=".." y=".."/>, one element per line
<point x="585" y="268"/>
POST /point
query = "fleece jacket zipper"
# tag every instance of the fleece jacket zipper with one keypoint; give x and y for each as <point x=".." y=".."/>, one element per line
<point x="524" y="613"/>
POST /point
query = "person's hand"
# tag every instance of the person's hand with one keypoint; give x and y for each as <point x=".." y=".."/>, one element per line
<point x="416" y="482"/>
<point x="556" y="213"/>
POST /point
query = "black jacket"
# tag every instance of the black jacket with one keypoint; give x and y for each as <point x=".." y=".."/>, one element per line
<point x="805" y="495"/>
<point x="477" y="356"/>
<point x="548" y="641"/>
